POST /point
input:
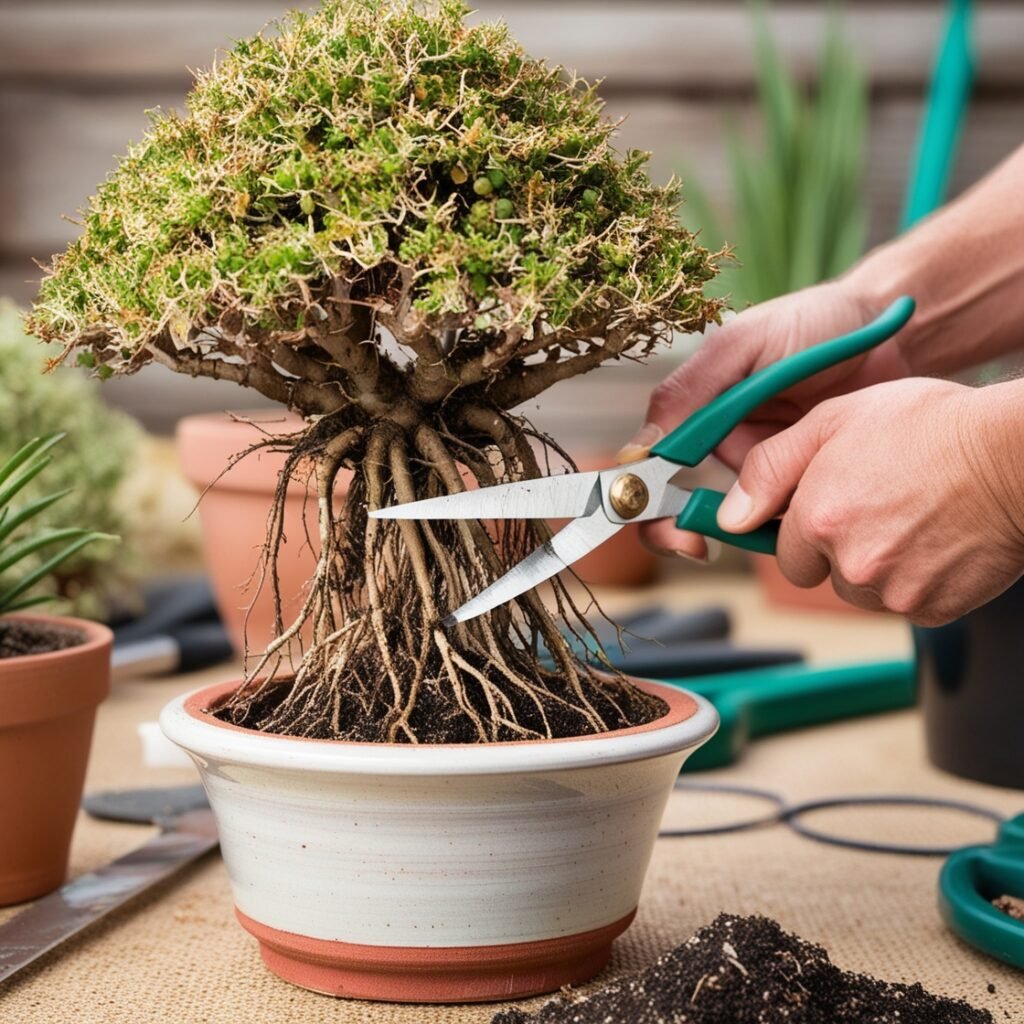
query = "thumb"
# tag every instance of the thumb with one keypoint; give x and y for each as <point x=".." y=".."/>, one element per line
<point x="770" y="474"/>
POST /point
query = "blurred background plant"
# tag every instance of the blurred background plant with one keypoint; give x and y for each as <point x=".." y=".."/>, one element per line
<point x="30" y="552"/>
<point x="92" y="463"/>
<point x="799" y="212"/>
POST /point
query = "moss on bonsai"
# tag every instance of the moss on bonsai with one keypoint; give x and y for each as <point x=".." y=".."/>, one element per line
<point x="402" y="227"/>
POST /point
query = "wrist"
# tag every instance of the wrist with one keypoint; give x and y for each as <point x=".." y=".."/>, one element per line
<point x="993" y="437"/>
<point x="883" y="275"/>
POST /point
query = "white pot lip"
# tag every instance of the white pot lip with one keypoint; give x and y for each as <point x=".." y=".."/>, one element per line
<point x="689" y="722"/>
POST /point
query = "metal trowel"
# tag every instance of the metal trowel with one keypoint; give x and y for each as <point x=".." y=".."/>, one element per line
<point x="187" y="831"/>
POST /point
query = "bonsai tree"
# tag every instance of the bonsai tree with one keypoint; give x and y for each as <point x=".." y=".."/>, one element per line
<point x="402" y="227"/>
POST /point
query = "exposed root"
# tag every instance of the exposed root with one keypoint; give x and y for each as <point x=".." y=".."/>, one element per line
<point x="380" y="667"/>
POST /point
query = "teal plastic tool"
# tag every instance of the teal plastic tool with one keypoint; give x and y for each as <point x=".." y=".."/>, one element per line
<point x="759" y="702"/>
<point x="971" y="878"/>
<point x="944" y="116"/>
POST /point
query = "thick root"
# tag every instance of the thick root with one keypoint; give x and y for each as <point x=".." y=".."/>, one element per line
<point x="380" y="667"/>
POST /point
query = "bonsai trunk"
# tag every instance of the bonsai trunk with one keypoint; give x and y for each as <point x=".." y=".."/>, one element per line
<point x="381" y="667"/>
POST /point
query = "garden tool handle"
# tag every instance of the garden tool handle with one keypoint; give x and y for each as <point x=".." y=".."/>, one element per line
<point x="700" y="434"/>
<point x="700" y="514"/>
<point x="948" y="97"/>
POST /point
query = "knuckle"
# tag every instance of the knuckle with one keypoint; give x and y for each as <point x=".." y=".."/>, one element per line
<point x="822" y="524"/>
<point x="863" y="570"/>
<point x="908" y="600"/>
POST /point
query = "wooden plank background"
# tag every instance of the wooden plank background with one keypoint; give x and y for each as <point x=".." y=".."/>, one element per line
<point x="77" y="77"/>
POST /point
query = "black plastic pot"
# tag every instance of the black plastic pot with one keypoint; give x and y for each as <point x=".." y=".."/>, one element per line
<point x="971" y="684"/>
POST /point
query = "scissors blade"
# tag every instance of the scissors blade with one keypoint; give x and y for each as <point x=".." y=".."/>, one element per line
<point x="550" y="497"/>
<point x="572" y="542"/>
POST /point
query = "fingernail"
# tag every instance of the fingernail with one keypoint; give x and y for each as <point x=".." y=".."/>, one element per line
<point x="737" y="508"/>
<point x="649" y="434"/>
<point x="714" y="550"/>
<point x="690" y="558"/>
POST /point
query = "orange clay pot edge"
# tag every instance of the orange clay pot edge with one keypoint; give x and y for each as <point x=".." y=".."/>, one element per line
<point x="681" y="706"/>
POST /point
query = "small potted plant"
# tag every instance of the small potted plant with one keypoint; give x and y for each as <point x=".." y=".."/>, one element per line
<point x="54" y="672"/>
<point x="402" y="227"/>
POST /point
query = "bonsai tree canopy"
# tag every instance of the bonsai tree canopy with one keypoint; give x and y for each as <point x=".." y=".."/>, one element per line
<point x="402" y="227"/>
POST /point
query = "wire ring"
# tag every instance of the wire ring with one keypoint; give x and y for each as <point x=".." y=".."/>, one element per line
<point x="791" y="816"/>
<point x="743" y="825"/>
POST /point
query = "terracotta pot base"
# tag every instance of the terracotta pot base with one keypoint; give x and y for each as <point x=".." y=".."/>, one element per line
<point x="461" y="974"/>
<point x="30" y="886"/>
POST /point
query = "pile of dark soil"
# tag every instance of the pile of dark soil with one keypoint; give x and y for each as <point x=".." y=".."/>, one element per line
<point x="18" y="638"/>
<point x="747" y="970"/>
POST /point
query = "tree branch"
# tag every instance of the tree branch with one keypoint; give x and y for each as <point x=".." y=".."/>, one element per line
<point x="257" y="373"/>
<point x="518" y="387"/>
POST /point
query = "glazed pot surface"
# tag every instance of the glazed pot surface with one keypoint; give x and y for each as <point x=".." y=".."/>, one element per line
<point x="438" y="873"/>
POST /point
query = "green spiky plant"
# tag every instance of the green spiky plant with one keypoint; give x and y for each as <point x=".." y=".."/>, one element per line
<point x="403" y="227"/>
<point x="799" y="210"/>
<point x="21" y="540"/>
<point x="94" y="462"/>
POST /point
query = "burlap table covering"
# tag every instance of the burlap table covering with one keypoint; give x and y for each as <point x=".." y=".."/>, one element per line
<point x="178" y="956"/>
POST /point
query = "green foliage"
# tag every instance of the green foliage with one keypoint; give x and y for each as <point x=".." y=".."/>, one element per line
<point x="380" y="141"/>
<point x="18" y="575"/>
<point x="90" y="464"/>
<point x="799" y="208"/>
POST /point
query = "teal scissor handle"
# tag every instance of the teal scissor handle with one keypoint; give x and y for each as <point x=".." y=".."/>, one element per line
<point x="700" y="514"/>
<point x="968" y="882"/>
<point x="699" y="435"/>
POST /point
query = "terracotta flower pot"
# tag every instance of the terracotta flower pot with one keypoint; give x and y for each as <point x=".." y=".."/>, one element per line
<point x="233" y="514"/>
<point x="436" y="873"/>
<point x="47" y="708"/>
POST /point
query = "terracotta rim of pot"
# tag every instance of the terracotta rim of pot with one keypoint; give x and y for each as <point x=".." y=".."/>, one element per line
<point x="36" y="686"/>
<point x="688" y="722"/>
<point x="207" y="442"/>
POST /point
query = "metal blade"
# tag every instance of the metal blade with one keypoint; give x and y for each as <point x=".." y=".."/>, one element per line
<point x="550" y="497"/>
<point x="573" y="542"/>
<point x="55" y="918"/>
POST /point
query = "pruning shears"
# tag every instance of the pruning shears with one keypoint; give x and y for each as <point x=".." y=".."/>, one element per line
<point x="600" y="503"/>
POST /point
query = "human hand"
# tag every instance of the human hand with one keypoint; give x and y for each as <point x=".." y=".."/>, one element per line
<point x="757" y="337"/>
<point x="909" y="495"/>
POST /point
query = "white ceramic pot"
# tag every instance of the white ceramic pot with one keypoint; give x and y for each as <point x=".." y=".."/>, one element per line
<point x="437" y="873"/>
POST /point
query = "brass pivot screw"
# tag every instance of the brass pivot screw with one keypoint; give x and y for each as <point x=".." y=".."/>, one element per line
<point x="629" y="496"/>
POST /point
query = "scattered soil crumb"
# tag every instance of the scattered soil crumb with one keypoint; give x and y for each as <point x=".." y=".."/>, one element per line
<point x="18" y="637"/>
<point x="1011" y="905"/>
<point x="747" y="970"/>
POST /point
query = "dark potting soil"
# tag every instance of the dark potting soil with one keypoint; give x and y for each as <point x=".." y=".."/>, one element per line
<point x="18" y="638"/>
<point x="435" y="720"/>
<point x="747" y="970"/>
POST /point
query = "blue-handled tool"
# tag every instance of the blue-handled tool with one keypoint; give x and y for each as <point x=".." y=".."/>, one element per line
<point x="601" y="503"/>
